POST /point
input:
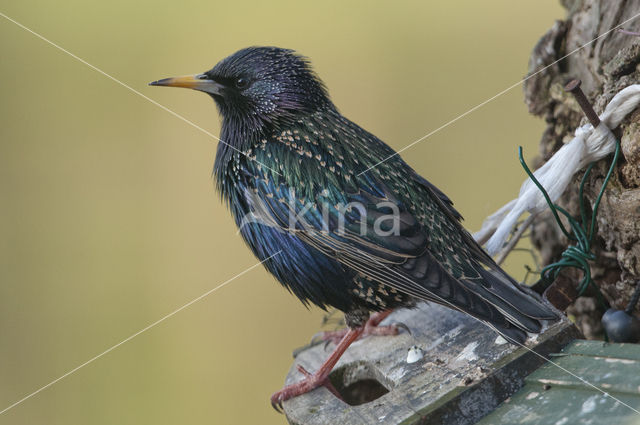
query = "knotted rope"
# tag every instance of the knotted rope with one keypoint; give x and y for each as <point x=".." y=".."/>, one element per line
<point x="588" y="145"/>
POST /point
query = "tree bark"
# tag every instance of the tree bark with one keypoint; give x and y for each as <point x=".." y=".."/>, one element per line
<point x="605" y="66"/>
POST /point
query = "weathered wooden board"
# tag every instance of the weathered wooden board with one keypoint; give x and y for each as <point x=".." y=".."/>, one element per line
<point x="465" y="372"/>
<point x="554" y="396"/>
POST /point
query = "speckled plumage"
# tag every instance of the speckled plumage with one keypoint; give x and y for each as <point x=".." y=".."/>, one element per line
<point x="291" y="150"/>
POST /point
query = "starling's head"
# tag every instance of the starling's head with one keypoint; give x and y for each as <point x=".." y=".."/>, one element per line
<point x="259" y="85"/>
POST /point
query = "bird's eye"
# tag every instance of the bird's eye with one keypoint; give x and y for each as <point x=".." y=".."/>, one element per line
<point x="241" y="83"/>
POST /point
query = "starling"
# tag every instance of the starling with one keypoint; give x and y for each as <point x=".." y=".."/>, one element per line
<point x="354" y="226"/>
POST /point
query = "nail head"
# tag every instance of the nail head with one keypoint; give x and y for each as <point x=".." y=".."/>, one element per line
<point x="572" y="85"/>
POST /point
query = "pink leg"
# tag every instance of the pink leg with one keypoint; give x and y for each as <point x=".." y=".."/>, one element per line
<point x="370" y="328"/>
<point x="320" y="377"/>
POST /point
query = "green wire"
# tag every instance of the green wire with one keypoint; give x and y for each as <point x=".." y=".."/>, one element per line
<point x="578" y="255"/>
<point x="596" y="204"/>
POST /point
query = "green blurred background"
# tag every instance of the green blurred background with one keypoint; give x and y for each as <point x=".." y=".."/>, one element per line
<point x="109" y="220"/>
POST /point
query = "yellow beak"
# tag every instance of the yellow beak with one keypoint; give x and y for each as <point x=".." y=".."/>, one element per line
<point x="200" y="82"/>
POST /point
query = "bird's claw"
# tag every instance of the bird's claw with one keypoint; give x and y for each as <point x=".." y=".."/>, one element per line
<point x="371" y="330"/>
<point x="310" y="382"/>
<point x="328" y="337"/>
<point x="303" y="371"/>
<point x="277" y="406"/>
<point x="401" y="325"/>
<point x="327" y="342"/>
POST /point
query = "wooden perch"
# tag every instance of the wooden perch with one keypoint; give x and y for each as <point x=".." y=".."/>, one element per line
<point x="463" y="375"/>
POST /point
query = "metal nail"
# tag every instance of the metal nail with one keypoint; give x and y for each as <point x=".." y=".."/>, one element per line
<point x="573" y="87"/>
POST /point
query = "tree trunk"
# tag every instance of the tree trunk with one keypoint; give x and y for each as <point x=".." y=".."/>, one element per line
<point x="605" y="66"/>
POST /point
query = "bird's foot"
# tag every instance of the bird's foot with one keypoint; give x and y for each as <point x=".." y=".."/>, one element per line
<point x="372" y="327"/>
<point x="320" y="378"/>
<point x="336" y="336"/>
<point x="309" y="383"/>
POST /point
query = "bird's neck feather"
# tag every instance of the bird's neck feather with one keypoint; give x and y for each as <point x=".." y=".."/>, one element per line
<point x="239" y="134"/>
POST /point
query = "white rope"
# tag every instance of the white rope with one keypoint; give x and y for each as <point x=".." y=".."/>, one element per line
<point x="588" y="145"/>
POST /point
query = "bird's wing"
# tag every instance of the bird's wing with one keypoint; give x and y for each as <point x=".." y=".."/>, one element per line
<point x="364" y="238"/>
<point x="447" y="204"/>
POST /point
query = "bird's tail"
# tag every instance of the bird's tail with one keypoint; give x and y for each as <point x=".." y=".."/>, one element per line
<point x="521" y="307"/>
<point x="492" y="297"/>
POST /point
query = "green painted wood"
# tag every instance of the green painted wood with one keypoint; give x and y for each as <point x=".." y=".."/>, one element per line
<point x="532" y="405"/>
<point x="607" y="373"/>
<point x="602" y="349"/>
<point x="551" y="395"/>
